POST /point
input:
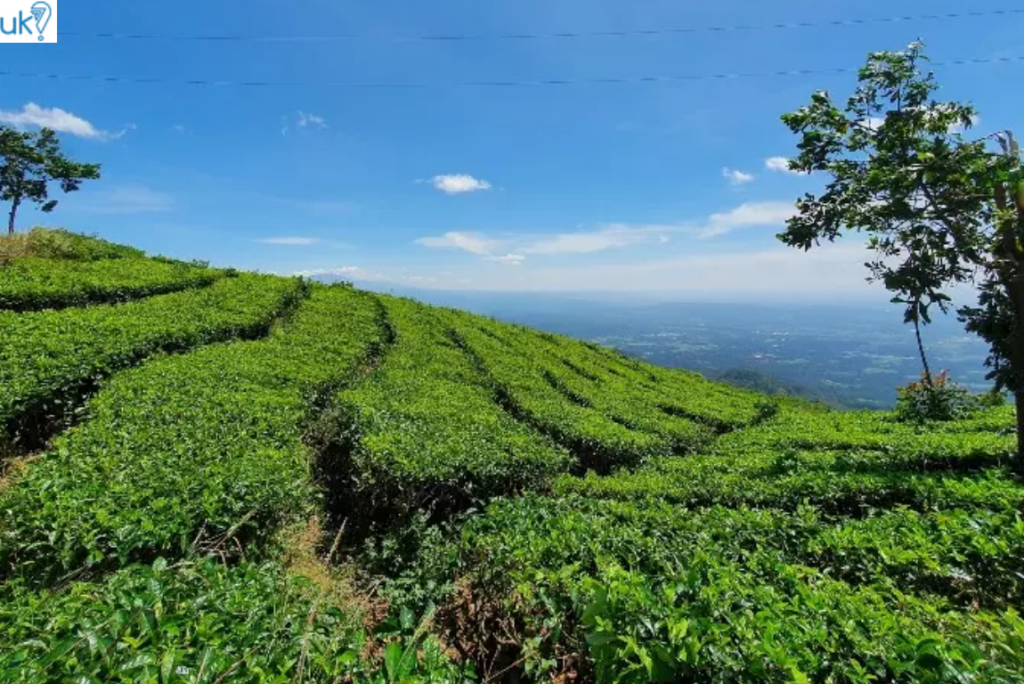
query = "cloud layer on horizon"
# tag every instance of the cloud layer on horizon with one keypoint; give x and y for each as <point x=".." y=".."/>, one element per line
<point x="834" y="272"/>
<point x="515" y="248"/>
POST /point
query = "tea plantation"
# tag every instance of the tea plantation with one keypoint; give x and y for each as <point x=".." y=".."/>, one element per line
<point x="211" y="476"/>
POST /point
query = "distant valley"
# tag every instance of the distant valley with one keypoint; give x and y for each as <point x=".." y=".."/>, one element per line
<point x="848" y="356"/>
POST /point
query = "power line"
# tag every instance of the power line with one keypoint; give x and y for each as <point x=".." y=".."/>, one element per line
<point x="556" y="35"/>
<point x="496" y="84"/>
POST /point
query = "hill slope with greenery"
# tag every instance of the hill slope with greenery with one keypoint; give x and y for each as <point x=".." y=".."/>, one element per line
<point x="220" y="477"/>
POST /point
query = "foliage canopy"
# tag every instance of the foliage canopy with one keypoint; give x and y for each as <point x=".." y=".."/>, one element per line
<point x="29" y="162"/>
<point x="939" y="209"/>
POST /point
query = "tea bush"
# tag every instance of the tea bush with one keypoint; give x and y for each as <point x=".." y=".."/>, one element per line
<point x="199" y="449"/>
<point x="50" y="359"/>
<point x="597" y="441"/>
<point x="507" y="503"/>
<point x="427" y="430"/>
<point x="202" y="622"/>
<point x="34" y="284"/>
<point x="568" y="372"/>
<point x="652" y="592"/>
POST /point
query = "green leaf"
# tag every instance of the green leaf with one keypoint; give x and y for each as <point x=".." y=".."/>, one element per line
<point x="393" y="661"/>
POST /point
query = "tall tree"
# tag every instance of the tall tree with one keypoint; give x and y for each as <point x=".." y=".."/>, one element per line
<point x="29" y="162"/>
<point x="938" y="209"/>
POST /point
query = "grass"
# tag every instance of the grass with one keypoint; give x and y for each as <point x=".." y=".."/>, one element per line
<point x="46" y="243"/>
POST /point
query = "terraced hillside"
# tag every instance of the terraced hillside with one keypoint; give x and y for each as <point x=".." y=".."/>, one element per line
<point x="221" y="477"/>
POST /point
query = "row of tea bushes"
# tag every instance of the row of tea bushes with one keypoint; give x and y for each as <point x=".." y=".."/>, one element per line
<point x="199" y="450"/>
<point x="32" y="284"/>
<point x="426" y="429"/>
<point x="50" y="359"/>
<point x="649" y="591"/>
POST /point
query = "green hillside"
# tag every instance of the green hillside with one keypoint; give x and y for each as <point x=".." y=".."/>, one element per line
<point x="213" y="476"/>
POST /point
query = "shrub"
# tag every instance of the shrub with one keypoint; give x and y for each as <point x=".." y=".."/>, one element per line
<point x="941" y="399"/>
<point x="767" y="409"/>
<point x="185" y="452"/>
<point x="206" y="622"/>
<point x="994" y="398"/>
<point x="427" y="431"/>
<point x="33" y="284"/>
<point x="653" y="592"/>
<point x="51" y="360"/>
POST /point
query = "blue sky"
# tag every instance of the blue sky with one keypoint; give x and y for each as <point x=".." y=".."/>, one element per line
<point x="630" y="187"/>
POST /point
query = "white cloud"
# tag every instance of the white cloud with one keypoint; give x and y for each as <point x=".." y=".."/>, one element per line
<point x="872" y="123"/>
<point x="469" y="242"/>
<point x="302" y="119"/>
<point x="736" y="177"/>
<point x="134" y="199"/>
<point x="747" y="215"/>
<point x="289" y="241"/>
<point x="515" y="249"/>
<point x="510" y="259"/>
<point x="705" y="272"/>
<point x="828" y="272"/>
<point x="34" y="116"/>
<point x="610" y="237"/>
<point x="459" y="183"/>
<point x="780" y="165"/>
<point x="121" y="133"/>
<point x="832" y="272"/>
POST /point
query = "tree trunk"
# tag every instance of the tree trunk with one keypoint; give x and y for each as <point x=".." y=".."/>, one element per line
<point x="920" y="350"/>
<point x="14" y="212"/>
<point x="1016" y="292"/>
<point x="1012" y="242"/>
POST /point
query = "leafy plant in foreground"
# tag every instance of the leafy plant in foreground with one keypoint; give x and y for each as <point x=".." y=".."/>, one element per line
<point x="652" y="592"/>
<point x="202" y="623"/>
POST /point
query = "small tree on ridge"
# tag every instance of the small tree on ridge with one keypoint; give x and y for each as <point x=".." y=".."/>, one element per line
<point x="938" y="209"/>
<point x="29" y="162"/>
